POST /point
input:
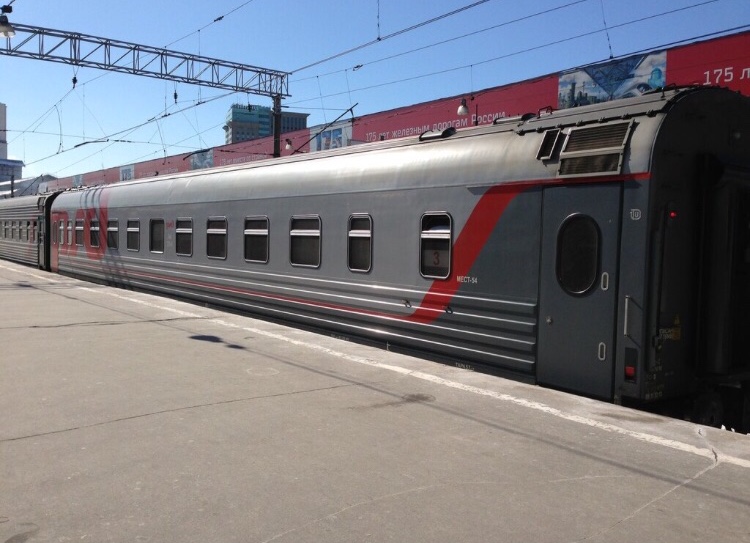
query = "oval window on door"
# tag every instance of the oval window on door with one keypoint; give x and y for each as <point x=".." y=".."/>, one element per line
<point x="578" y="254"/>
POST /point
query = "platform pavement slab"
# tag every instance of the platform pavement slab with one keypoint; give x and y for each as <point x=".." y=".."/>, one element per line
<point x="129" y="417"/>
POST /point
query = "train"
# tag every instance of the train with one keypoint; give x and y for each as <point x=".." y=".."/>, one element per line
<point x="602" y="250"/>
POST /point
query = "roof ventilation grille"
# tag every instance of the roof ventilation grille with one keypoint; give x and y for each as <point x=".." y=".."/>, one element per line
<point x="595" y="150"/>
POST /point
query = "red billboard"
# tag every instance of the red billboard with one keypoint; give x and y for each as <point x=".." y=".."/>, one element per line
<point x="483" y="106"/>
<point x="723" y="61"/>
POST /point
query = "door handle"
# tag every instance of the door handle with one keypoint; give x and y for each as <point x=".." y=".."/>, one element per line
<point x="626" y="327"/>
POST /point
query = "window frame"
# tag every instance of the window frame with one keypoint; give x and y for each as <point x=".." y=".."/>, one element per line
<point x="94" y="230"/>
<point x="79" y="232"/>
<point x="133" y="226"/>
<point x="214" y="231"/>
<point x="565" y="282"/>
<point x="250" y="233"/>
<point x="153" y="241"/>
<point x="433" y="233"/>
<point x="113" y="225"/>
<point x="181" y="231"/>
<point x="354" y="234"/>
<point x="296" y="234"/>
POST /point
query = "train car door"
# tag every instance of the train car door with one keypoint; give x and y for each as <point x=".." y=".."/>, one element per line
<point x="42" y="231"/>
<point x="57" y="240"/>
<point x="578" y="276"/>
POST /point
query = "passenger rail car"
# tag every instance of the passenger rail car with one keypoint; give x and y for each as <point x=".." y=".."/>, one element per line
<point x="602" y="250"/>
<point x="23" y="222"/>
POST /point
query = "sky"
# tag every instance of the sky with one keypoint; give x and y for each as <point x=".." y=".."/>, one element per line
<point x="377" y="54"/>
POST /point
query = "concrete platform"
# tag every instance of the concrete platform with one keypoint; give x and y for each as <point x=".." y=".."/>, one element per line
<point x="127" y="417"/>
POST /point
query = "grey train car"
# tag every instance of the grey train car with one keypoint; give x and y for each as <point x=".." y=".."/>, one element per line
<point x="602" y="250"/>
<point x="23" y="224"/>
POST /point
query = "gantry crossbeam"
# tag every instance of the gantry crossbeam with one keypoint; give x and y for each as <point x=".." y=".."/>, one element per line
<point x="106" y="54"/>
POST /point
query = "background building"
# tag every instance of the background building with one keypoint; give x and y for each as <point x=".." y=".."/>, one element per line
<point x="10" y="170"/>
<point x="249" y="122"/>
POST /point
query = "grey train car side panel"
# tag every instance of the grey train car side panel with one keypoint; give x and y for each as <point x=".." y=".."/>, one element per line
<point x="645" y="174"/>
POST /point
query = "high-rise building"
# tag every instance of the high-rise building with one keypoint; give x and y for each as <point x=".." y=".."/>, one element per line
<point x="249" y="122"/>
<point x="3" y="133"/>
<point x="10" y="170"/>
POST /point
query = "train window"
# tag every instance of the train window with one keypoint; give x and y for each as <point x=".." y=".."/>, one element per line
<point x="360" y="243"/>
<point x="256" y="239"/>
<point x="61" y="233"/>
<point x="79" y="231"/>
<point x="304" y="242"/>
<point x="156" y="236"/>
<point x="94" y="233"/>
<point x="216" y="237"/>
<point x="578" y="254"/>
<point x="134" y="235"/>
<point x="184" y="237"/>
<point x="70" y="232"/>
<point x="435" y="245"/>
<point x="113" y="233"/>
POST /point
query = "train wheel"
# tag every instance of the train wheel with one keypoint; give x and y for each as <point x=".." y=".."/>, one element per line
<point x="709" y="409"/>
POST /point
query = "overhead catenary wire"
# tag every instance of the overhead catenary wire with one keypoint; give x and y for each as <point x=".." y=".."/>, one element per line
<point x="394" y="34"/>
<point x="350" y="90"/>
<point x="380" y="39"/>
<point x="42" y="117"/>
<point x="216" y="20"/>
<point x="545" y="45"/>
<point x="260" y="143"/>
<point x="450" y="40"/>
<point x="457" y="68"/>
<point x="126" y="131"/>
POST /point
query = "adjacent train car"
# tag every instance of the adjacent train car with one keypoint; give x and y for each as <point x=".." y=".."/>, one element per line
<point x="24" y="223"/>
<point x="602" y="250"/>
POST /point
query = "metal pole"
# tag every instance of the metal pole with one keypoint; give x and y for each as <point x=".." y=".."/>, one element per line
<point x="12" y="185"/>
<point x="276" y="125"/>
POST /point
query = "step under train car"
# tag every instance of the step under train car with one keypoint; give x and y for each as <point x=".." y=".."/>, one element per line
<point x="602" y="250"/>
